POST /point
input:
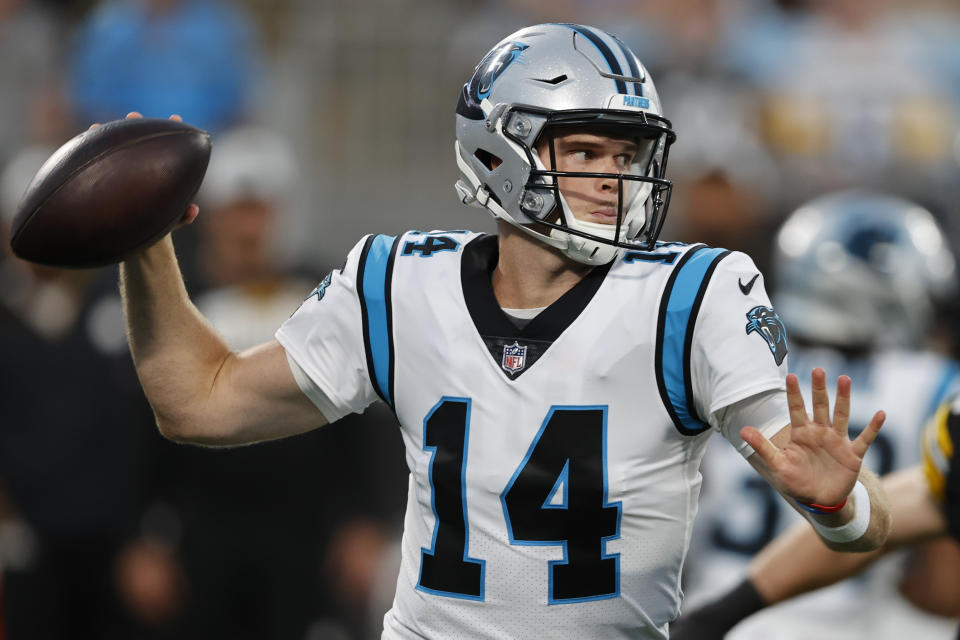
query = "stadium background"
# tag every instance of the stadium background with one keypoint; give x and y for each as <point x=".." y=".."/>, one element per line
<point x="774" y="102"/>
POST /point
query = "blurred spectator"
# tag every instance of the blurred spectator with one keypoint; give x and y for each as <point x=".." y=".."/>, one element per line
<point x="854" y="92"/>
<point x="726" y="185"/>
<point x="245" y="198"/>
<point x="30" y="95"/>
<point x="76" y="449"/>
<point x="281" y="539"/>
<point x="197" y="58"/>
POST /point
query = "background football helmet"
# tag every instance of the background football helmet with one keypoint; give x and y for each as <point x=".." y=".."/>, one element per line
<point x="535" y="81"/>
<point x="860" y="269"/>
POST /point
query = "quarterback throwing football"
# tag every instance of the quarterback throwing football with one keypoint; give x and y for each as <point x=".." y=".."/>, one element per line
<point x="556" y="383"/>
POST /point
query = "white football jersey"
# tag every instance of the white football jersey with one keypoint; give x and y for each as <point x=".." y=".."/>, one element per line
<point x="740" y="514"/>
<point x="554" y="470"/>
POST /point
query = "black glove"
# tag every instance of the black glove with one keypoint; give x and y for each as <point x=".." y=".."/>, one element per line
<point x="712" y="621"/>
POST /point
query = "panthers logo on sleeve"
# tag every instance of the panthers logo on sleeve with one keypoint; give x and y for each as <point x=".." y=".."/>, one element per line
<point x="766" y="323"/>
<point x="321" y="288"/>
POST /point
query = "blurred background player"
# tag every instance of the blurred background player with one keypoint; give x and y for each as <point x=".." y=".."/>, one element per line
<point x="925" y="502"/>
<point x="78" y="454"/>
<point x="860" y="277"/>
<point x="263" y="554"/>
<point x="31" y="52"/>
<point x="200" y="58"/>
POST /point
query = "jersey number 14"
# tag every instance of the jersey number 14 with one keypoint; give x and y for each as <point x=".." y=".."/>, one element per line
<point x="556" y="497"/>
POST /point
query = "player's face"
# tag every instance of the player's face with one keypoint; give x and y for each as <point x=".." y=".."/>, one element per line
<point x="590" y="199"/>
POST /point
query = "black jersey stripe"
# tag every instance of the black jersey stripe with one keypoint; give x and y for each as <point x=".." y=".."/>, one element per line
<point x="374" y="290"/>
<point x="388" y="297"/>
<point x="679" y="305"/>
<point x="717" y="255"/>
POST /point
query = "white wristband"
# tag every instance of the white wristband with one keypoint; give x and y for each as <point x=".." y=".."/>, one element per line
<point x="857" y="526"/>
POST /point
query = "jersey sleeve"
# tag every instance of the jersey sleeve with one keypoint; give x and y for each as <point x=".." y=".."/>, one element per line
<point x="739" y="345"/>
<point x="325" y="338"/>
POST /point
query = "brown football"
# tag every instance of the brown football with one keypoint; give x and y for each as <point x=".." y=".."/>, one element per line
<point x="110" y="191"/>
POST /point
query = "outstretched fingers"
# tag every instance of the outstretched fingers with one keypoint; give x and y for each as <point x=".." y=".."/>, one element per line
<point x="868" y="435"/>
<point x="841" y="410"/>
<point x="798" y="412"/>
<point x="821" y="399"/>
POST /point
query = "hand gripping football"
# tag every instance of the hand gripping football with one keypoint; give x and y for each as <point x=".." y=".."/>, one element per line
<point x="110" y="191"/>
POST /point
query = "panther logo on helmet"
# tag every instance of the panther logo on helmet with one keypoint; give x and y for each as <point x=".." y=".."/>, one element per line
<point x="766" y="322"/>
<point x="549" y="80"/>
<point x="479" y="85"/>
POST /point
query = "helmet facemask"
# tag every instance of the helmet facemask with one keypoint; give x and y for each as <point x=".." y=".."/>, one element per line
<point x="538" y="82"/>
<point x="636" y="194"/>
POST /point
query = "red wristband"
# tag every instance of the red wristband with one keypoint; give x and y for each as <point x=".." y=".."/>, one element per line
<point x="812" y="507"/>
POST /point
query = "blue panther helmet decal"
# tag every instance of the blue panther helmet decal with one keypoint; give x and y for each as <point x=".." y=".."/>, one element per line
<point x="766" y="323"/>
<point x="321" y="288"/>
<point x="536" y="84"/>
<point x="478" y="86"/>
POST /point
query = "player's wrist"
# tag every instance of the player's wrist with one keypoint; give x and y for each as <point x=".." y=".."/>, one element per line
<point x="850" y="522"/>
<point x="821" y="509"/>
<point x="153" y="256"/>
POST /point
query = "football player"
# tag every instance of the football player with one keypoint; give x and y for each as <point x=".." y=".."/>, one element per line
<point x="924" y="503"/>
<point x="859" y="275"/>
<point x="556" y="383"/>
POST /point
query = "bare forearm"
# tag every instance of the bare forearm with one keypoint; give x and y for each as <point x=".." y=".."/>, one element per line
<point x="798" y="562"/>
<point x="177" y="353"/>
<point x="201" y="391"/>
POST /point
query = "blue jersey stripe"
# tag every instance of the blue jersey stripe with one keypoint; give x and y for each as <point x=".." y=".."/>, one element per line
<point x="375" y="287"/>
<point x="679" y="307"/>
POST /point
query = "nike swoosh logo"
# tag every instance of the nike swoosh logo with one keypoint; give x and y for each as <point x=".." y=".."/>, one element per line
<point x="745" y="288"/>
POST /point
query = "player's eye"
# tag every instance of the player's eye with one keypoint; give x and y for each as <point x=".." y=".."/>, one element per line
<point x="624" y="160"/>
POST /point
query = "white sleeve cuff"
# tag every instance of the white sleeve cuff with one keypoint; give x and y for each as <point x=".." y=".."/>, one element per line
<point x="315" y="393"/>
<point x="857" y="526"/>
<point x="766" y="411"/>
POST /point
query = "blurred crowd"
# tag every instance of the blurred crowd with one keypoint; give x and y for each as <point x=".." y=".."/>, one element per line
<point x="331" y="120"/>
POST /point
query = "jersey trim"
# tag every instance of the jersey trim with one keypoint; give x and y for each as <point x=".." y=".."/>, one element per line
<point x="679" y="307"/>
<point x="374" y="287"/>
<point x="497" y="331"/>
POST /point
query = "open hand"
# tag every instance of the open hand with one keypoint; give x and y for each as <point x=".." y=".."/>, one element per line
<point x="817" y="463"/>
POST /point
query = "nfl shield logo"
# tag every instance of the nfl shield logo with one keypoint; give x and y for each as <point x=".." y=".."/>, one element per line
<point x="514" y="358"/>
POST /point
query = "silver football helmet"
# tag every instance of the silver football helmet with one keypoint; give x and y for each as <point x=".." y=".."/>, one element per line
<point x="548" y="78"/>
<point x="860" y="269"/>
